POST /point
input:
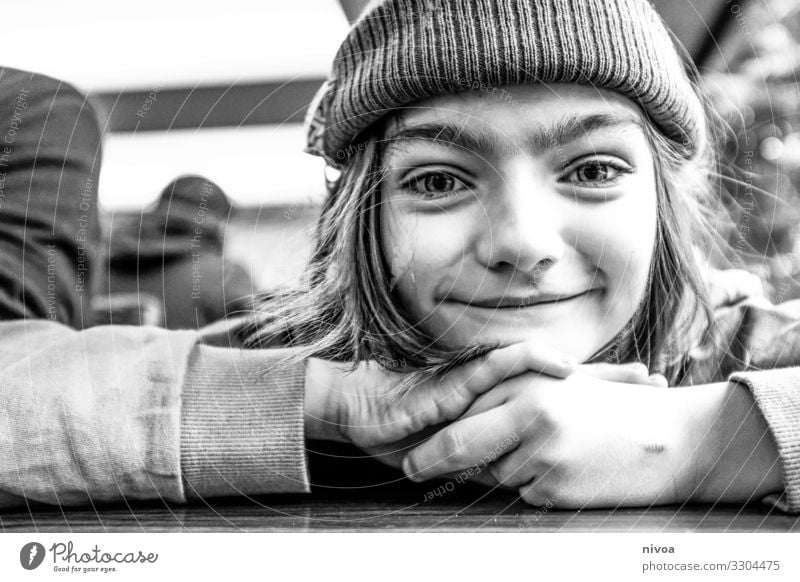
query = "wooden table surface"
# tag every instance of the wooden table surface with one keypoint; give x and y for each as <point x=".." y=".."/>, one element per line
<point x="352" y="492"/>
<point x="485" y="512"/>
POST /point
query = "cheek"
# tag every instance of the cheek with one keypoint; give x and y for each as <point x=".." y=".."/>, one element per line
<point x="619" y="240"/>
<point x="424" y="253"/>
<point x="635" y="240"/>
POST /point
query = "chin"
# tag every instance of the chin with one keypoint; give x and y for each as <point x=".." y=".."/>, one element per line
<point x="575" y="344"/>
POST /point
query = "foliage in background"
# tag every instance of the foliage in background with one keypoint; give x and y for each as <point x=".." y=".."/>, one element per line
<point x="759" y="98"/>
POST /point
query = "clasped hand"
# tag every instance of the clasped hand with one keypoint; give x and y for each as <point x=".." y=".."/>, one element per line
<point x="587" y="435"/>
<point x="526" y="417"/>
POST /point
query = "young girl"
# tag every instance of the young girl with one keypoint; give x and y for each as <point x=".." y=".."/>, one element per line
<point x="520" y="170"/>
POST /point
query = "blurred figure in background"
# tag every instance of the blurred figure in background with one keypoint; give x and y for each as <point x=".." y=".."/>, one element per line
<point x="168" y="263"/>
<point x="49" y="166"/>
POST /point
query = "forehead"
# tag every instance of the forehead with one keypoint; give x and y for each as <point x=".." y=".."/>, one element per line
<point x="535" y="117"/>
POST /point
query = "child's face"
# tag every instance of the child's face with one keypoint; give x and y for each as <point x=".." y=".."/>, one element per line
<point x="497" y="204"/>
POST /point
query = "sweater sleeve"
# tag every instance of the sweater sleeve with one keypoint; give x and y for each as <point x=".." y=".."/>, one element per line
<point x="242" y="427"/>
<point x="119" y="412"/>
<point x="90" y="416"/>
<point x="760" y="349"/>
<point x="777" y="394"/>
<point x="764" y="355"/>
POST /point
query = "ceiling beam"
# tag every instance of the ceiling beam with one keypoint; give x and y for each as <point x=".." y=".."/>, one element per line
<point x="698" y="24"/>
<point x="214" y="106"/>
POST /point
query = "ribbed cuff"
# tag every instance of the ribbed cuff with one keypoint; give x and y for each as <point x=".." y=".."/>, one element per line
<point x="242" y="429"/>
<point x="777" y="394"/>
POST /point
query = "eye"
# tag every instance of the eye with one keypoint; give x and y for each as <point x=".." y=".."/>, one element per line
<point x="436" y="185"/>
<point x="598" y="172"/>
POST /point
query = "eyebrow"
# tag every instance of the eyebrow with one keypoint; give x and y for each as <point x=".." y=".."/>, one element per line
<point x="472" y="139"/>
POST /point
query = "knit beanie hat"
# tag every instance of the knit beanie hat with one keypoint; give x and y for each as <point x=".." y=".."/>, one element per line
<point x="402" y="51"/>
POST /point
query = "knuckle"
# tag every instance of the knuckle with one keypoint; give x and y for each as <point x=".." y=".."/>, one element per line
<point x="533" y="352"/>
<point x="406" y="425"/>
<point x="475" y="371"/>
<point x="490" y="363"/>
<point x="447" y="409"/>
<point x="452" y="445"/>
<point x="546" y="423"/>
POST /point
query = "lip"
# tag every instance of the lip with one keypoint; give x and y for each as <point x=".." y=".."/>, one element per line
<point x="540" y="299"/>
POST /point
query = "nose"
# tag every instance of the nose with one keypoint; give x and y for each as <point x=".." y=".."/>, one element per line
<point x="525" y="223"/>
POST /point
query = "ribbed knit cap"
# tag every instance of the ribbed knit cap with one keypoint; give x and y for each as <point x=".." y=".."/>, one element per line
<point x="403" y="51"/>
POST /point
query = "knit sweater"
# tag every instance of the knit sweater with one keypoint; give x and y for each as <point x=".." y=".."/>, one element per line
<point x="120" y="412"/>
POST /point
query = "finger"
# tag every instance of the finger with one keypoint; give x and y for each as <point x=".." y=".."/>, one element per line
<point x="484" y="477"/>
<point x="539" y="494"/>
<point x="480" y="475"/>
<point x="632" y="373"/>
<point x="658" y="381"/>
<point x="732" y="285"/>
<point x="459" y="388"/>
<point x="474" y="441"/>
<point x="503" y="363"/>
<point x="517" y="468"/>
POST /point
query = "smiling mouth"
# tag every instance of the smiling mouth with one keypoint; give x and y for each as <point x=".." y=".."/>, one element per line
<point x="505" y="304"/>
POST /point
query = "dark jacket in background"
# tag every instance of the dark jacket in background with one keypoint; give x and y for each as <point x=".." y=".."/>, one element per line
<point x="49" y="169"/>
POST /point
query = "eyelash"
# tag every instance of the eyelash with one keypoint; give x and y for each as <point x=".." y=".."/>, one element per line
<point x="426" y="195"/>
<point x="621" y="170"/>
<point x="595" y="162"/>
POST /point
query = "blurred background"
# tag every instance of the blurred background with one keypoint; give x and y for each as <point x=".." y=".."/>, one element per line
<point x="220" y="89"/>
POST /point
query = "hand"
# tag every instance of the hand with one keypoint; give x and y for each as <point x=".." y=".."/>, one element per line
<point x="393" y="453"/>
<point x="729" y="286"/>
<point x="632" y="373"/>
<point x="578" y="442"/>
<point x="363" y="407"/>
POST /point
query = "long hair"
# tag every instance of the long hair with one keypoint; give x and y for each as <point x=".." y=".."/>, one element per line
<point x="693" y="222"/>
<point x="347" y="311"/>
<point x="676" y="313"/>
